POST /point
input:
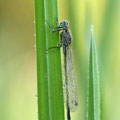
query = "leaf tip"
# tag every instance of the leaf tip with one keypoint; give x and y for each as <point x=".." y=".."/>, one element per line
<point x="92" y="28"/>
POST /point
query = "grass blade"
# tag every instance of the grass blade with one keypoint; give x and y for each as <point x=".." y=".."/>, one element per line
<point x="94" y="83"/>
<point x="49" y="77"/>
<point x="54" y="63"/>
<point x="42" y="80"/>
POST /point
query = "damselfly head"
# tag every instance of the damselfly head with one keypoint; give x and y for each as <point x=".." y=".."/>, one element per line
<point x="64" y="24"/>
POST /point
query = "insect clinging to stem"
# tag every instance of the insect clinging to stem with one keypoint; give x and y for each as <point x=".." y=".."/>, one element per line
<point x="71" y="97"/>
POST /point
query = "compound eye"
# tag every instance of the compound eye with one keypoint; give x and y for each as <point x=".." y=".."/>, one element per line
<point x="65" y="23"/>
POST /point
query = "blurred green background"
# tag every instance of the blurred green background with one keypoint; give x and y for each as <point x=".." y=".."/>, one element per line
<point x="18" y="62"/>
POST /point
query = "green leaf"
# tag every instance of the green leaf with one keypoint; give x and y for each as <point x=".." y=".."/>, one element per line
<point x="49" y="77"/>
<point x="93" y="83"/>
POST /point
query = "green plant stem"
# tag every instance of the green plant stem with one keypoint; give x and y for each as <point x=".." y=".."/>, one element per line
<point x="42" y="80"/>
<point x="49" y="77"/>
<point x="54" y="64"/>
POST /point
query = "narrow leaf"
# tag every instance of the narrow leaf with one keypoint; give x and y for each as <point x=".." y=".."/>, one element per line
<point x="93" y="83"/>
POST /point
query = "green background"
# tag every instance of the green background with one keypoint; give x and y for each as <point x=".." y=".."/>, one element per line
<point x="18" y="60"/>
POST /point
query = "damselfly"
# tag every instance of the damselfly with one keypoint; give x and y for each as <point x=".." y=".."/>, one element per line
<point x="71" y="96"/>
